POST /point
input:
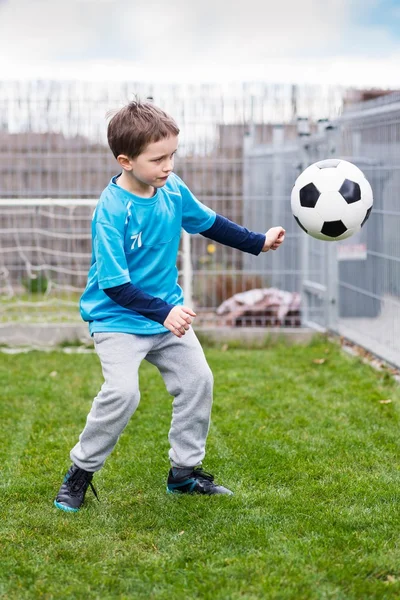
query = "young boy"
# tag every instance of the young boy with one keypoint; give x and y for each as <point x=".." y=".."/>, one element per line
<point x="134" y="305"/>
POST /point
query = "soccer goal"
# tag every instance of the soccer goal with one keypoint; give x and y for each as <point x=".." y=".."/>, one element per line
<point x="45" y="254"/>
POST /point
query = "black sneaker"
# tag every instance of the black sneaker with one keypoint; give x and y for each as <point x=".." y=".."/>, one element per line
<point x="72" y="492"/>
<point x="196" y="482"/>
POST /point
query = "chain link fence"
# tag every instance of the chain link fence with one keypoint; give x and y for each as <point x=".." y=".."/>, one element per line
<point x="350" y="287"/>
<point x="241" y="150"/>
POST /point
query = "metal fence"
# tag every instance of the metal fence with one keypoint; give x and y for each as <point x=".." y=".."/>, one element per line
<point x="53" y="145"/>
<point x="351" y="287"/>
<point x="369" y="288"/>
<point x="241" y="149"/>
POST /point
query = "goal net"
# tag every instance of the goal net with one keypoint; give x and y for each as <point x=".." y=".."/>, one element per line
<point x="45" y="253"/>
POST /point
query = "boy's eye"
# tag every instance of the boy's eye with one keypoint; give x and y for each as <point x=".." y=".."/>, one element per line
<point x="162" y="158"/>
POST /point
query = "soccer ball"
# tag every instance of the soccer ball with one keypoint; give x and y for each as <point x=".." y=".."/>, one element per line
<point x="331" y="200"/>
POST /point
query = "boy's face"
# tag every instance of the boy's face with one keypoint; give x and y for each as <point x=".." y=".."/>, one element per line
<point x="153" y="166"/>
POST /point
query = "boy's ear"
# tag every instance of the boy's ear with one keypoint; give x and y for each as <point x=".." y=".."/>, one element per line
<point x="124" y="162"/>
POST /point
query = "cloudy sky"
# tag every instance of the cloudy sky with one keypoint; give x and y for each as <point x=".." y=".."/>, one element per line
<point x="348" y="42"/>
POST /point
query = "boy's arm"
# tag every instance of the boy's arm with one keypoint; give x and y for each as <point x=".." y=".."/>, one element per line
<point x="176" y="319"/>
<point x="132" y="297"/>
<point x="230" y="234"/>
<point x="198" y="218"/>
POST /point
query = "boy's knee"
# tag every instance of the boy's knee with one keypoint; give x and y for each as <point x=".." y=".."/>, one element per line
<point x="205" y="376"/>
<point x="127" y="394"/>
<point x="130" y="397"/>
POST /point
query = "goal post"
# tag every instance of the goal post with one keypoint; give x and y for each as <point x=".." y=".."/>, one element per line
<point x="45" y="253"/>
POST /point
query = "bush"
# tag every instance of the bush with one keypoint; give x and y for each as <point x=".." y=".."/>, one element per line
<point x="37" y="284"/>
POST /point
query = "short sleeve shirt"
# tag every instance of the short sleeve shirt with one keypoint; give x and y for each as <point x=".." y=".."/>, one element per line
<point x="136" y="240"/>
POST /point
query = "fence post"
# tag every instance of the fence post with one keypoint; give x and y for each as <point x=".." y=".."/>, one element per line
<point x="305" y="270"/>
<point x="277" y="197"/>
<point x="332" y="282"/>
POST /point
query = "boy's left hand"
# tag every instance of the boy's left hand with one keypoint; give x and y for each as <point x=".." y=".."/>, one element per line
<point x="273" y="238"/>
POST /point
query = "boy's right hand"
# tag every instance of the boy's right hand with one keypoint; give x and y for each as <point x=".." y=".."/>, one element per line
<point x="179" y="320"/>
<point x="273" y="238"/>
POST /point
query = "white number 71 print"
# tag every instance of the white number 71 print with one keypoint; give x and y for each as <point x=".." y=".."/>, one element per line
<point x="136" y="238"/>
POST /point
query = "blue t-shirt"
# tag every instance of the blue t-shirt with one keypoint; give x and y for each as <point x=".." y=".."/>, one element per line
<point x="136" y="240"/>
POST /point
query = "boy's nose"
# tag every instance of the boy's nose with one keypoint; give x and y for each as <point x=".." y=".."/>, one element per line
<point x="168" y="166"/>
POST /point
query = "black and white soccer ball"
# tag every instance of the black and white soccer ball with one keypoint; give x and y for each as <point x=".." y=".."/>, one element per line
<point x="331" y="199"/>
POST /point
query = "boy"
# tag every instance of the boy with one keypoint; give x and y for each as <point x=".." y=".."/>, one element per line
<point x="134" y="305"/>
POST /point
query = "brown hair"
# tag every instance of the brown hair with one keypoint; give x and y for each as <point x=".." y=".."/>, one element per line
<point x="136" y="125"/>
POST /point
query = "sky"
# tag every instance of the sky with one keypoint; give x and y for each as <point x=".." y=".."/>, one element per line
<point x="339" y="42"/>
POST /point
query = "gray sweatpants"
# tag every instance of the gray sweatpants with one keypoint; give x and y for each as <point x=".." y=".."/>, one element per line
<point x="188" y="379"/>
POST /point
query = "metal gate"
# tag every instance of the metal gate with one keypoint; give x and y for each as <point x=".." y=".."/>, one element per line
<point x="351" y="287"/>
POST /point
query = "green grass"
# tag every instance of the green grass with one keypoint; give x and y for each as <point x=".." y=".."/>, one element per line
<point x="310" y="451"/>
<point x="55" y="307"/>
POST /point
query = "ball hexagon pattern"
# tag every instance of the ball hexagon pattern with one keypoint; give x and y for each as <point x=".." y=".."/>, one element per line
<point x="331" y="199"/>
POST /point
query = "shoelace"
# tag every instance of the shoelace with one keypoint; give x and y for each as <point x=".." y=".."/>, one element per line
<point x="78" y="481"/>
<point x="199" y="473"/>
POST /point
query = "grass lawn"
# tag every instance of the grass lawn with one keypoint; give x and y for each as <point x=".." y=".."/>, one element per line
<point x="308" y="447"/>
<point x="57" y="307"/>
